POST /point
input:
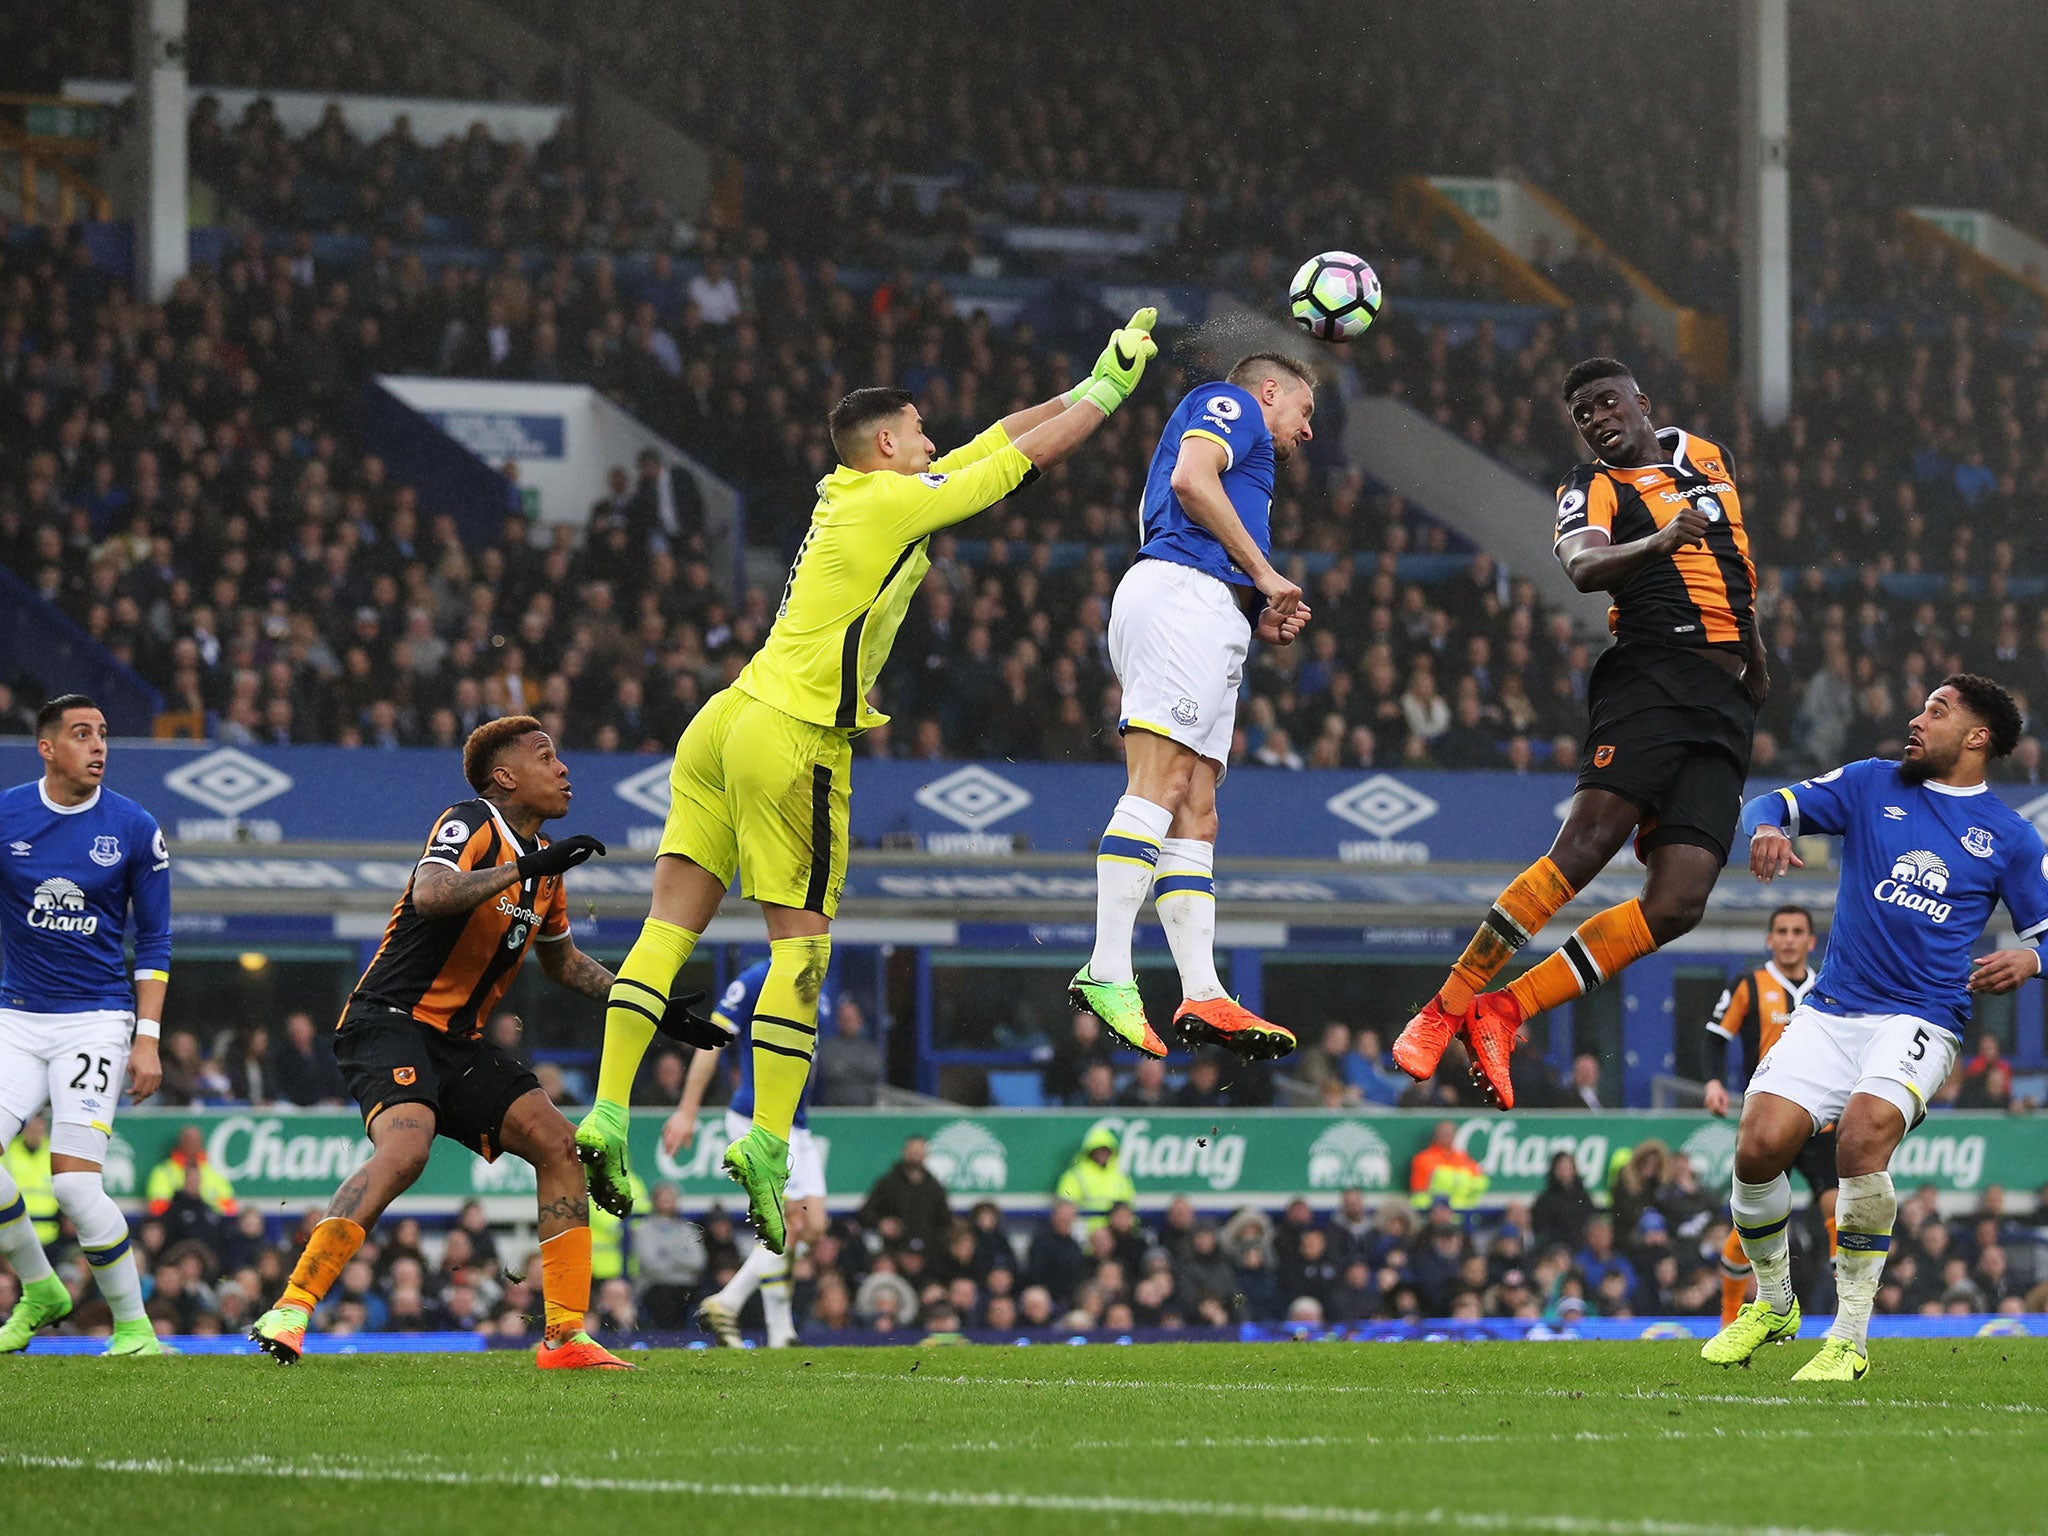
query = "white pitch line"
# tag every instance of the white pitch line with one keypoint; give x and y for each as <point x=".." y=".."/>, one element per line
<point x="929" y="1498"/>
<point x="1829" y="1402"/>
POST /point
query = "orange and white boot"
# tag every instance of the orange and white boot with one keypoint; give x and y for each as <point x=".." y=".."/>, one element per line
<point x="1428" y="1035"/>
<point x="1490" y="1033"/>
<point x="1221" y="1021"/>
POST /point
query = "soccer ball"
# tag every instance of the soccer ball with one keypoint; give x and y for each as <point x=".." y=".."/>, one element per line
<point x="1334" y="296"/>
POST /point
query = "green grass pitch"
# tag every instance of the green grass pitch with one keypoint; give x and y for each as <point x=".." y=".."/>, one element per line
<point x="1565" y="1439"/>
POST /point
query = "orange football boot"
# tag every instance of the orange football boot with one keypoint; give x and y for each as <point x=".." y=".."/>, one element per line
<point x="1428" y="1035"/>
<point x="578" y="1352"/>
<point x="1492" y="1029"/>
<point x="1221" y="1021"/>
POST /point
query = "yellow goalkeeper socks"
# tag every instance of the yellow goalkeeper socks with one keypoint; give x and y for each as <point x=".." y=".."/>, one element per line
<point x="636" y="1002"/>
<point x="333" y="1243"/>
<point x="786" y="1028"/>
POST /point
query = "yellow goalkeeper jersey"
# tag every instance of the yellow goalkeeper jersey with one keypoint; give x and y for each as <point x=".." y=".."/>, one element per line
<point x="854" y="576"/>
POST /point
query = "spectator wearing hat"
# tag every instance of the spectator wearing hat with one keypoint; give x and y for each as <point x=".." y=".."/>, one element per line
<point x="1094" y="1181"/>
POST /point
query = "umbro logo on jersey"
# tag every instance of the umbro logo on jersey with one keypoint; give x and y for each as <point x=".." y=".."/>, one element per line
<point x="20" y="849"/>
<point x="1895" y="813"/>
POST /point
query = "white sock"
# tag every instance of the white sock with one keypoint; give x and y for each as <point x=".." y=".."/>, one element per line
<point x="778" y="1303"/>
<point x="755" y="1271"/>
<point x="1184" y="892"/>
<point x="103" y="1234"/>
<point x="1864" y="1212"/>
<point x="1761" y="1213"/>
<point x="1123" y="875"/>
<point x="18" y="1240"/>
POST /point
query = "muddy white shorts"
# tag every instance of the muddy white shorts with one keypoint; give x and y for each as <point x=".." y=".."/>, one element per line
<point x="806" y="1167"/>
<point x="1178" y="641"/>
<point x="76" y="1062"/>
<point x="1823" y="1058"/>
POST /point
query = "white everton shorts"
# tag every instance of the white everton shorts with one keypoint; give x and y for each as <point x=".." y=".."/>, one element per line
<point x="76" y="1062"/>
<point x="1823" y="1058"/>
<point x="806" y="1168"/>
<point x="1178" y="640"/>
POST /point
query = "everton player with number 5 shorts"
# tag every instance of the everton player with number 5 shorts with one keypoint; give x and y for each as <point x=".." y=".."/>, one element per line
<point x="1927" y="851"/>
<point x="1654" y="520"/>
<point x="1179" y="628"/>
<point x="75" y="859"/>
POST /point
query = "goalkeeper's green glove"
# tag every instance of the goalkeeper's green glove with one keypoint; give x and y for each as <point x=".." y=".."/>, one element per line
<point x="1122" y="362"/>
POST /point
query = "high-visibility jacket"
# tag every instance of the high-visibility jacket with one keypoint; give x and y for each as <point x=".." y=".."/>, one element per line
<point x="1094" y="1187"/>
<point x="168" y="1177"/>
<point x="608" y="1259"/>
<point x="31" y="1171"/>
<point x="1445" y="1173"/>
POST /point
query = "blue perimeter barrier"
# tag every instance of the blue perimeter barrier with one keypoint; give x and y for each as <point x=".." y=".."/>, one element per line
<point x="1974" y="1325"/>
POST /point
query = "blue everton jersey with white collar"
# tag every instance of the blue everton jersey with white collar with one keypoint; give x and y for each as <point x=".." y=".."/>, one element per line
<point x="1922" y="867"/>
<point x="1230" y="417"/>
<point x="735" y="1011"/>
<point x="68" y="876"/>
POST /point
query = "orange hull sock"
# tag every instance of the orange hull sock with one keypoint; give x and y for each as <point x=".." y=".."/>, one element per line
<point x="1530" y="901"/>
<point x="1599" y="947"/>
<point x="565" y="1281"/>
<point x="1735" y="1277"/>
<point x="333" y="1243"/>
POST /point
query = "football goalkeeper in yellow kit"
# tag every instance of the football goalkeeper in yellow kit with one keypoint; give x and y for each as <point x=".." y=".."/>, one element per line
<point x="761" y="775"/>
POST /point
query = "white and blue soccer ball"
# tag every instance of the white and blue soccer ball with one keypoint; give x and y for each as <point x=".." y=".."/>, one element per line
<point x="1335" y="296"/>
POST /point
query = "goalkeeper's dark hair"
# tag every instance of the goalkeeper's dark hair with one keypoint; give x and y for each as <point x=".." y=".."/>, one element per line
<point x="1593" y="368"/>
<point x="1992" y="705"/>
<point x="1789" y="909"/>
<point x="1261" y="365"/>
<point x="852" y="417"/>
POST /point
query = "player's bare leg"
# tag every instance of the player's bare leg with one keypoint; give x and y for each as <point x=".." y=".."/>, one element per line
<point x="1768" y="1141"/>
<point x="1866" y="1205"/>
<point x="686" y="898"/>
<point x="1595" y="828"/>
<point x="785" y="1036"/>
<point x="1158" y="774"/>
<point x="534" y="1129"/>
<point x="1184" y="892"/>
<point x="402" y="1138"/>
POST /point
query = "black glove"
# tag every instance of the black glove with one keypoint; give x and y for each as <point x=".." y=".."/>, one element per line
<point x="557" y="857"/>
<point x="680" y="1024"/>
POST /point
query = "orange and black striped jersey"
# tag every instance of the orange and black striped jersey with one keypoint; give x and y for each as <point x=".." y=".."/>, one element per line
<point x="1704" y="594"/>
<point x="1754" y="1009"/>
<point x="449" y="972"/>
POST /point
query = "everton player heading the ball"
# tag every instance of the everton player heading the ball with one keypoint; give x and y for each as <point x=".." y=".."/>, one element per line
<point x="1654" y="520"/>
<point x="1927" y="851"/>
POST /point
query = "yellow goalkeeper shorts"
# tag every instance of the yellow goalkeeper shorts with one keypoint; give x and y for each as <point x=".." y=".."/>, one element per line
<point x="763" y="794"/>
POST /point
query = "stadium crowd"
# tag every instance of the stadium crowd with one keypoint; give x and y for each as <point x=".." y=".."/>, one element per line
<point x="1643" y="1242"/>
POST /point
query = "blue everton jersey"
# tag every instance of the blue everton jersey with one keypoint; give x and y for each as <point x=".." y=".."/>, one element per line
<point x="735" y="1011"/>
<point x="1229" y="416"/>
<point x="1922" y="867"/>
<point x="68" y="875"/>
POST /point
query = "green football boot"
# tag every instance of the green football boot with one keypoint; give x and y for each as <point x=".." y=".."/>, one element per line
<point x="281" y="1334"/>
<point x="759" y="1163"/>
<point x="1119" y="1007"/>
<point x="1755" y="1326"/>
<point x="136" y="1336"/>
<point x="601" y="1144"/>
<point x="42" y="1303"/>
<point x="1838" y="1360"/>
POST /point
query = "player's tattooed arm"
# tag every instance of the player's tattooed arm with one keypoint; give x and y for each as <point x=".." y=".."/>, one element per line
<point x="567" y="966"/>
<point x="438" y="891"/>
